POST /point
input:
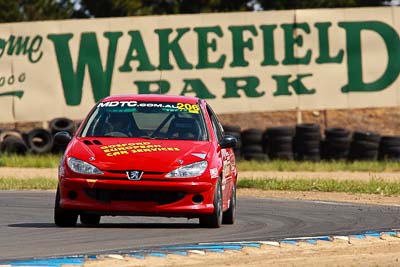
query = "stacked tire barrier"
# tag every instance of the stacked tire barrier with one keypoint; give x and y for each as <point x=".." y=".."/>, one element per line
<point x="279" y="142"/>
<point x="11" y="142"/>
<point x="364" y="146"/>
<point x="389" y="148"/>
<point x="36" y="141"/>
<point x="336" y="145"/>
<point x="307" y="142"/>
<point x="39" y="140"/>
<point x="60" y="125"/>
<point x="252" y="141"/>
<point x="304" y="142"/>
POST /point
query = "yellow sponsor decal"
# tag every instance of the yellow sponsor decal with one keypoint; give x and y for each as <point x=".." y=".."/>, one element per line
<point x="133" y="148"/>
<point x="191" y="108"/>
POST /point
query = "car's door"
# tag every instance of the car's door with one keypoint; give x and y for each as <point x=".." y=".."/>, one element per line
<point x="226" y="156"/>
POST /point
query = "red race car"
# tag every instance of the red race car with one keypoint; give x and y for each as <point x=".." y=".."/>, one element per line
<point x="147" y="155"/>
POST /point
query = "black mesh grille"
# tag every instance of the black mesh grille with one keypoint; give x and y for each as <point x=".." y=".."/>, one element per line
<point x="124" y="172"/>
<point x="160" y="197"/>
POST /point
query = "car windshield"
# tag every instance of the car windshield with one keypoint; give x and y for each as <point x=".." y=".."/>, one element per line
<point x="153" y="120"/>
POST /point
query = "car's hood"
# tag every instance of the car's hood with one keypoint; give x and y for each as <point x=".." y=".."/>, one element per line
<point x="138" y="154"/>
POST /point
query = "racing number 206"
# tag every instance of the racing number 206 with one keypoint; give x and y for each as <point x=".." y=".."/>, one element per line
<point x="191" y="108"/>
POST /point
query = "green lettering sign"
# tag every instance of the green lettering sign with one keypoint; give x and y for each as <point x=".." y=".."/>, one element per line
<point x="138" y="48"/>
<point x="166" y="47"/>
<point x="21" y="45"/>
<point x="89" y="56"/>
<point x="198" y="87"/>
<point x="238" y="44"/>
<point x="323" y="41"/>
<point x="269" y="48"/>
<point x="354" y="55"/>
<point x="293" y="39"/>
<point x="204" y="45"/>
<point x="247" y="84"/>
<point x="283" y="84"/>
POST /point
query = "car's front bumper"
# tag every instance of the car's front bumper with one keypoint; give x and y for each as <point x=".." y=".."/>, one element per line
<point x="122" y="197"/>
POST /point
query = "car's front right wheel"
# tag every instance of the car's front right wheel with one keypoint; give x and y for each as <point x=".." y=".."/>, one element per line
<point x="230" y="215"/>
<point x="63" y="217"/>
<point x="214" y="220"/>
<point x="90" y="219"/>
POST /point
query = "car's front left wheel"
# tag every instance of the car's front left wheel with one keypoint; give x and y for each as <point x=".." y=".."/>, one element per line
<point x="63" y="217"/>
<point x="214" y="220"/>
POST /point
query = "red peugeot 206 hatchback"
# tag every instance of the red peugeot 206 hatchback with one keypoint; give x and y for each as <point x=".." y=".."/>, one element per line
<point x="147" y="155"/>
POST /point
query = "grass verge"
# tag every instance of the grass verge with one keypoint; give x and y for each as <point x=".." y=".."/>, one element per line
<point x="28" y="184"/>
<point x="30" y="160"/>
<point x="373" y="186"/>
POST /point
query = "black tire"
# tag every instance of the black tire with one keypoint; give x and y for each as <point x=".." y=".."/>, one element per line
<point x="391" y="150"/>
<point x="389" y="153"/>
<point x="366" y="136"/>
<point x="61" y="124"/>
<point x="280" y="131"/>
<point x="308" y="144"/>
<point x="63" y="217"/>
<point x="364" y="145"/>
<point x="389" y="141"/>
<point x="307" y="128"/>
<point x="336" y="147"/>
<point x="281" y="155"/>
<point x="6" y="133"/>
<point x="308" y="136"/>
<point x="252" y="149"/>
<point x="214" y="220"/>
<point x="229" y="215"/>
<point x="281" y="147"/>
<point x="363" y="154"/>
<point x="281" y="139"/>
<point x="90" y="219"/>
<point x="40" y="141"/>
<point x="255" y="156"/>
<point x="252" y="137"/>
<point x="336" y="133"/>
<point x="13" y="145"/>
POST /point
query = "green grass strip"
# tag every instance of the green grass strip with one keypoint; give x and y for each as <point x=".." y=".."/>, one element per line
<point x="30" y="160"/>
<point x="28" y="184"/>
<point x="326" y="166"/>
<point x="373" y="186"/>
<point x="51" y="161"/>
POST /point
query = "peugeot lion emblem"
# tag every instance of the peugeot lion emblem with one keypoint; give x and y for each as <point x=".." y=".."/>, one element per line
<point x="134" y="175"/>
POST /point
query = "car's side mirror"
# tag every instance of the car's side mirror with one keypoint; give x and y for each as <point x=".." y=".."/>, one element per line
<point x="62" y="138"/>
<point x="228" y="141"/>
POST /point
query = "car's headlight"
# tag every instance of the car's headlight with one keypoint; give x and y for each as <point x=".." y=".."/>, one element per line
<point x="188" y="171"/>
<point x="79" y="166"/>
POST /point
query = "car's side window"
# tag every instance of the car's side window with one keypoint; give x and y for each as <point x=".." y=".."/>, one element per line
<point x="217" y="128"/>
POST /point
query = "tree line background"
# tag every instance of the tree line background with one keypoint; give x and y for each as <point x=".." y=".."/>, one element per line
<point x="31" y="10"/>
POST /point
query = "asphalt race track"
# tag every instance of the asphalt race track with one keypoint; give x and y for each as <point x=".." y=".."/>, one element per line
<point x="27" y="229"/>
